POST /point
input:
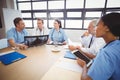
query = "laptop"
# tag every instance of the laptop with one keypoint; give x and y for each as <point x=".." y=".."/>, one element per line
<point x="35" y="40"/>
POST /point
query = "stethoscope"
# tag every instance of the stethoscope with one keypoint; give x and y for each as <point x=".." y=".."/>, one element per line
<point x="17" y="35"/>
<point x="58" y="34"/>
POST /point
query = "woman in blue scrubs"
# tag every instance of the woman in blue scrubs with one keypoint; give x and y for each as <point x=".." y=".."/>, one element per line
<point x="106" y="65"/>
<point x="57" y="34"/>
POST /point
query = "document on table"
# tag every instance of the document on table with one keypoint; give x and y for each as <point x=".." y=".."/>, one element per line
<point x="69" y="66"/>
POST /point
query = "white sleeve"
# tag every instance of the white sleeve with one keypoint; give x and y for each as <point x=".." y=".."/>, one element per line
<point x="88" y="50"/>
<point x="46" y="31"/>
<point x="95" y="47"/>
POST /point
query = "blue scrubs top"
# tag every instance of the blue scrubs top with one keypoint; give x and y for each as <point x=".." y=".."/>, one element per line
<point x="18" y="37"/>
<point x="106" y="65"/>
<point x="58" y="36"/>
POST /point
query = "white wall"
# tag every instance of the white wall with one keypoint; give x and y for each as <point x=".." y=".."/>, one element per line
<point x="2" y="30"/>
<point x="5" y="4"/>
<point x="9" y="15"/>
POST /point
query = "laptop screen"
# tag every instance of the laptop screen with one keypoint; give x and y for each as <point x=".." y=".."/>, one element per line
<point x="35" y="40"/>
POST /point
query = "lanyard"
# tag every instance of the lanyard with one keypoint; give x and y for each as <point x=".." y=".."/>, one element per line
<point x="17" y="35"/>
<point x="90" y="41"/>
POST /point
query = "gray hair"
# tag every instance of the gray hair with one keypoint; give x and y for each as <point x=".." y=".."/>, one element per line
<point x="94" y="22"/>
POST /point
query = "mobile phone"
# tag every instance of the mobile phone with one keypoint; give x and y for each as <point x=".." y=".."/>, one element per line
<point x="83" y="57"/>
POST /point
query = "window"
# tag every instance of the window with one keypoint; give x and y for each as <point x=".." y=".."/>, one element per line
<point x="40" y="14"/>
<point x="56" y="14"/>
<point x="39" y="5"/>
<point x="55" y="4"/>
<point x="74" y="4"/>
<point x="113" y="3"/>
<point x="73" y="23"/>
<point x="24" y="6"/>
<point x="93" y="14"/>
<point x="95" y="4"/>
<point x="27" y="15"/>
<point x="74" y="14"/>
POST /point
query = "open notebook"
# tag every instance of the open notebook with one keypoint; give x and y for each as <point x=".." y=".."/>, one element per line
<point x="11" y="57"/>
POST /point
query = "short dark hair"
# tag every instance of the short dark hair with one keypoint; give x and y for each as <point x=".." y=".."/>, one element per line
<point x="59" y="22"/>
<point x="39" y="19"/>
<point x="17" y="20"/>
<point x="112" y="21"/>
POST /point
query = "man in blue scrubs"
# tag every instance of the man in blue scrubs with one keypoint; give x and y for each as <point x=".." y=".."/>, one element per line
<point x="16" y="35"/>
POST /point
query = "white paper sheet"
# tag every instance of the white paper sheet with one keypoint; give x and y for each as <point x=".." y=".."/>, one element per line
<point x="70" y="66"/>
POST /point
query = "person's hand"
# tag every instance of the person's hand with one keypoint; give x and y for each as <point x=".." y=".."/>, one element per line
<point x="64" y="43"/>
<point x="81" y="62"/>
<point x="78" y="47"/>
<point x="86" y="33"/>
<point x="48" y="42"/>
<point x="22" y="46"/>
<point x="71" y="47"/>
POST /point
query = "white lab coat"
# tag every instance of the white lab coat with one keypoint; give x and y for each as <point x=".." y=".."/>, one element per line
<point x="96" y="45"/>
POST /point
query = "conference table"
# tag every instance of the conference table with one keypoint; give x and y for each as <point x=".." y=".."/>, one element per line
<point x="40" y="64"/>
